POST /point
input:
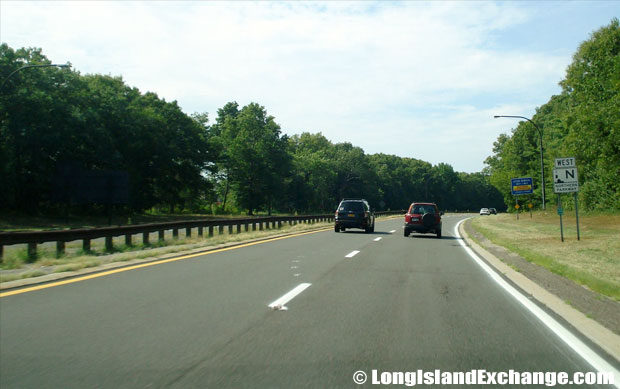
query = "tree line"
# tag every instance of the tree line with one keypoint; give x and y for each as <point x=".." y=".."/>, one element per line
<point x="583" y="121"/>
<point x="53" y="118"/>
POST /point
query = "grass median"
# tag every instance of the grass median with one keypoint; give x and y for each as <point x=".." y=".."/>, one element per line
<point x="593" y="261"/>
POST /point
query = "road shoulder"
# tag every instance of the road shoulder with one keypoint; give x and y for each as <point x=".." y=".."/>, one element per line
<point x="594" y="316"/>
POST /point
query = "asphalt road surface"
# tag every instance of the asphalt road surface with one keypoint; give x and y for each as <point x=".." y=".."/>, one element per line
<point x="398" y="304"/>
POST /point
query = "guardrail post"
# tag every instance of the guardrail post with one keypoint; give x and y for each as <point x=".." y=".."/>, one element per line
<point x="109" y="246"/>
<point x="220" y="230"/>
<point x="175" y="233"/>
<point x="279" y="224"/>
<point x="32" y="251"/>
<point x="60" y="248"/>
<point x="145" y="238"/>
<point x="230" y="229"/>
<point x="161" y="235"/>
<point x="1" y="252"/>
<point x="238" y="228"/>
<point x="128" y="238"/>
<point x="210" y="231"/>
<point x="200" y="231"/>
<point x="246" y="227"/>
<point x="260" y="226"/>
<point x="188" y="232"/>
<point x="253" y="226"/>
<point x="86" y="245"/>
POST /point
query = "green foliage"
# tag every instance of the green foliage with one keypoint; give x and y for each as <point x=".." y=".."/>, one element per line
<point x="53" y="117"/>
<point x="255" y="156"/>
<point x="582" y="122"/>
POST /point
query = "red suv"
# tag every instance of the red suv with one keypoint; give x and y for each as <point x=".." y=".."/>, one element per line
<point x="423" y="218"/>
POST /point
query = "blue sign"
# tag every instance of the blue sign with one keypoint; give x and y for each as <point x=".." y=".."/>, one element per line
<point x="521" y="186"/>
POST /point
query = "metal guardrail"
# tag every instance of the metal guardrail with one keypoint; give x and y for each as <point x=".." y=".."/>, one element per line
<point x="33" y="238"/>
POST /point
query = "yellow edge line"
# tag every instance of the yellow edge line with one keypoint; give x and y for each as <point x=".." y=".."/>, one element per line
<point x="109" y="272"/>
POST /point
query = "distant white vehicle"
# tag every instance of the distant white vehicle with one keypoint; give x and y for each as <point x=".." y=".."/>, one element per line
<point x="485" y="211"/>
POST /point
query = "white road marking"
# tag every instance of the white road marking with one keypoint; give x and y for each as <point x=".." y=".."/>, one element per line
<point x="377" y="239"/>
<point x="393" y="231"/>
<point x="279" y="303"/>
<point x="571" y="340"/>
<point x="352" y="254"/>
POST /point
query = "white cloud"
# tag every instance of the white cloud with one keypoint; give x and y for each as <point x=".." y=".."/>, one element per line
<point x="374" y="74"/>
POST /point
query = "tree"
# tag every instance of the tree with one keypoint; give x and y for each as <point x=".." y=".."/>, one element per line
<point x="53" y="118"/>
<point x="581" y="122"/>
<point x="257" y="156"/>
<point x="593" y="86"/>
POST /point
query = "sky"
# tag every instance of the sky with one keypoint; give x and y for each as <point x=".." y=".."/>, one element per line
<point x="414" y="79"/>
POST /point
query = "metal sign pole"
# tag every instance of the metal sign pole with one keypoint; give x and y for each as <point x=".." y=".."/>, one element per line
<point x="561" y="212"/>
<point x="577" y="214"/>
<point x="517" y="206"/>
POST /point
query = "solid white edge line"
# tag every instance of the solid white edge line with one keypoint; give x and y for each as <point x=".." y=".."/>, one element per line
<point x="377" y="239"/>
<point x="571" y="340"/>
<point x="289" y="296"/>
<point x="352" y="254"/>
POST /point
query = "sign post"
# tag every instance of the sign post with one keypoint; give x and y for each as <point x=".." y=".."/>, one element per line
<point x="577" y="214"/>
<point x="561" y="212"/>
<point x="565" y="180"/>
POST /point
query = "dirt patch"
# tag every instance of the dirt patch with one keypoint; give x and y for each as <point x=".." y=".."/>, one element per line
<point x="594" y="305"/>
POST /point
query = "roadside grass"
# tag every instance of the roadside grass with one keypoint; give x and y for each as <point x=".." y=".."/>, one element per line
<point x="593" y="261"/>
<point x="15" y="264"/>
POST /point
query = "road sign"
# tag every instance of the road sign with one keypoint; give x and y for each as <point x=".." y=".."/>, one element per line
<point x="565" y="162"/>
<point x="517" y="206"/>
<point x="560" y="211"/>
<point x="520" y="186"/>
<point x="530" y="205"/>
<point x="565" y="180"/>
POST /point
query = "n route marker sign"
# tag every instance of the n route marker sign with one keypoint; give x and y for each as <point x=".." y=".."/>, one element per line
<point x="565" y="180"/>
<point x="521" y="186"/>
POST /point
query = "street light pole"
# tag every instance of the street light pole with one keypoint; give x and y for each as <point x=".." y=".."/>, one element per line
<point x="32" y="66"/>
<point x="542" y="164"/>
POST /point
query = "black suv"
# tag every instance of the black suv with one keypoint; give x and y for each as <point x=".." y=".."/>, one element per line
<point x="354" y="213"/>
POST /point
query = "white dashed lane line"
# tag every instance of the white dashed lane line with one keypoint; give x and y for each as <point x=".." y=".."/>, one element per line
<point x="377" y="239"/>
<point x="279" y="303"/>
<point x="352" y="254"/>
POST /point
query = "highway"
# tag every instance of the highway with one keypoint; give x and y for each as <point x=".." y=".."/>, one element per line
<point x="365" y="301"/>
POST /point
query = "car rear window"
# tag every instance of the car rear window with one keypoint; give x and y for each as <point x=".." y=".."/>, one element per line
<point x="422" y="209"/>
<point x="351" y="207"/>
